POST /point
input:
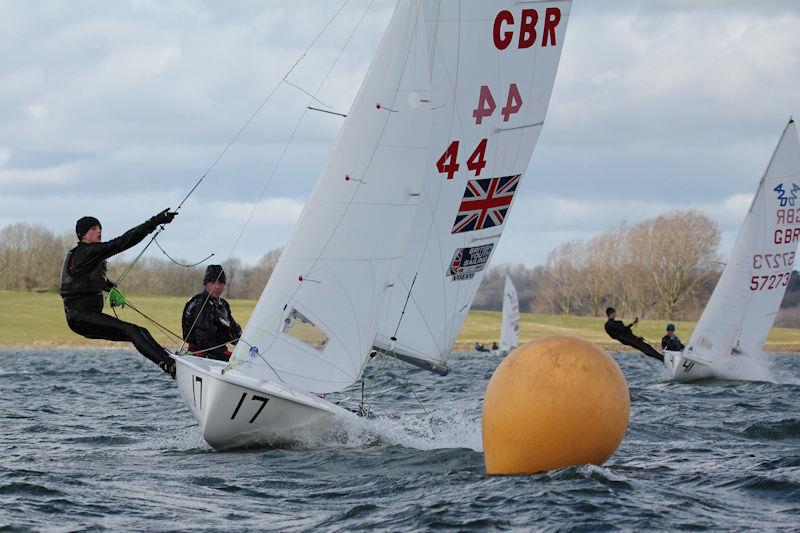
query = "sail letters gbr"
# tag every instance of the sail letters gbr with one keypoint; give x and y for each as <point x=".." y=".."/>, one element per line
<point x="522" y="31"/>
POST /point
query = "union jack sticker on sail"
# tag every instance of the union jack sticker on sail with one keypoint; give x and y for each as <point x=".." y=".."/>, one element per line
<point x="485" y="203"/>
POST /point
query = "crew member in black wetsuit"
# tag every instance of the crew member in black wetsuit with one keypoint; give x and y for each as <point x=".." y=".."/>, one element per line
<point x="670" y="341"/>
<point x="83" y="280"/>
<point x="622" y="333"/>
<point x="207" y="321"/>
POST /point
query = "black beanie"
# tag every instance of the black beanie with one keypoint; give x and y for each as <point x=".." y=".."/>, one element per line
<point x="84" y="224"/>
<point x="214" y="273"/>
<point x="610" y="310"/>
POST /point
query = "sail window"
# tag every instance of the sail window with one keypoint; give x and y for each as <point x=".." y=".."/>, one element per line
<point x="301" y="328"/>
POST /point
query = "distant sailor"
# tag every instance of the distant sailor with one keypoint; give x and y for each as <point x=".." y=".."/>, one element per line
<point x="208" y="324"/>
<point x="83" y="280"/>
<point x="480" y="347"/>
<point x="670" y="341"/>
<point x="622" y="333"/>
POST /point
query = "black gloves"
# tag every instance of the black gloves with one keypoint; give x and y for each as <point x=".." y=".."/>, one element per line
<point x="164" y="217"/>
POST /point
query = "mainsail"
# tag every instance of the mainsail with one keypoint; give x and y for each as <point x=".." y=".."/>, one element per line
<point x="315" y="322"/>
<point x="747" y="297"/>
<point x="493" y="65"/>
<point x="509" y="330"/>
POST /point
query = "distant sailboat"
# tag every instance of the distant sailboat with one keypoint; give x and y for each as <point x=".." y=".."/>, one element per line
<point x="390" y="248"/>
<point x="509" y="330"/>
<point x="738" y="317"/>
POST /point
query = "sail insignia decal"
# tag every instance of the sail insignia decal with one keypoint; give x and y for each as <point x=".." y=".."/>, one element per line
<point x="485" y="203"/>
<point x="467" y="261"/>
<point x="786" y="200"/>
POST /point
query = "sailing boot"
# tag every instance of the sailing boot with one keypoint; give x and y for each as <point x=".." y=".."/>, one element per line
<point x="168" y="367"/>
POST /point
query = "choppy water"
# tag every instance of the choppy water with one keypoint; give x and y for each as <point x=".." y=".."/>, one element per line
<point x="99" y="439"/>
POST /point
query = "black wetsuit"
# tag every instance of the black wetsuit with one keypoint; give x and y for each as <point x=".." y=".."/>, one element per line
<point x="83" y="280"/>
<point x="671" y="343"/>
<point x="622" y="333"/>
<point x="209" y="325"/>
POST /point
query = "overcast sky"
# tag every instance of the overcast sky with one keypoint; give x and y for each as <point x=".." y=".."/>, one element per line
<point x="114" y="109"/>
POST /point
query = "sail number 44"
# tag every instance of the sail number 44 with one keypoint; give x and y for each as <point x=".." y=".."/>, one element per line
<point x="476" y="162"/>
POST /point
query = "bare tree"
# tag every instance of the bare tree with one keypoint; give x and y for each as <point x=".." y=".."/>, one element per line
<point x="664" y="266"/>
<point x="561" y="280"/>
<point x="682" y="255"/>
<point x="30" y="257"/>
<point x="260" y="274"/>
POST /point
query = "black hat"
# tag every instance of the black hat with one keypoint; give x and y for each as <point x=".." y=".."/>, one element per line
<point x="214" y="273"/>
<point x="610" y="310"/>
<point x="84" y="224"/>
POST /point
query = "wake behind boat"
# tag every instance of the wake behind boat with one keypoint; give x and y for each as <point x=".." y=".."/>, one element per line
<point x="391" y="246"/>
<point x="737" y="319"/>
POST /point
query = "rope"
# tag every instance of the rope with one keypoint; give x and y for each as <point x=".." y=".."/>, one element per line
<point x="236" y="137"/>
<point x="275" y="319"/>
<point x="290" y="140"/>
<point x="156" y="324"/>
<point x="178" y="262"/>
<point x="408" y="383"/>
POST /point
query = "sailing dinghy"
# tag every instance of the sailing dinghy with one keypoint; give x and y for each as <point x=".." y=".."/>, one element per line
<point x="391" y="245"/>
<point x="737" y="319"/>
<point x="509" y="329"/>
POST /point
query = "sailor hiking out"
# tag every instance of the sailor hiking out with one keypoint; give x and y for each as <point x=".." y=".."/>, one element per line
<point x="622" y="333"/>
<point x="207" y="321"/>
<point x="83" y="280"/>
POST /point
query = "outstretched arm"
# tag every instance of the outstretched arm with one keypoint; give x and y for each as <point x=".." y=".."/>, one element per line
<point x="100" y="251"/>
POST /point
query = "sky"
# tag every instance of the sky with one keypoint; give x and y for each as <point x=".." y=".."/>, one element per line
<point x="115" y="109"/>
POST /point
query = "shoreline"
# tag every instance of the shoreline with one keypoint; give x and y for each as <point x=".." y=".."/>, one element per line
<point x="459" y="347"/>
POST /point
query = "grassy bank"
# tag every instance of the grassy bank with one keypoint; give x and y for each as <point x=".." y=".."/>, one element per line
<point x="37" y="319"/>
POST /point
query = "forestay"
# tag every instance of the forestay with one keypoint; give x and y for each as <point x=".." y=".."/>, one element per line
<point x="509" y="330"/>
<point x="315" y="322"/>
<point x="747" y="297"/>
<point x="492" y="71"/>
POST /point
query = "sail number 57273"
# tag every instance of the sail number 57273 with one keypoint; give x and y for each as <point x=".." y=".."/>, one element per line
<point x="767" y="283"/>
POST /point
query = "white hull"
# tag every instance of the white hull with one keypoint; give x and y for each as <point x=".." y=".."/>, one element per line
<point x="234" y="410"/>
<point x="682" y="369"/>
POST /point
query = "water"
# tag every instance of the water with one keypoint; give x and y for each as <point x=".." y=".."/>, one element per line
<point x="99" y="439"/>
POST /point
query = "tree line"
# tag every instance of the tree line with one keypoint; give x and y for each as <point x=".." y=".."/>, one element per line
<point x="31" y="257"/>
<point x="665" y="267"/>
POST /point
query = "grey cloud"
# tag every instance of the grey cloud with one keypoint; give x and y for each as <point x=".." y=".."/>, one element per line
<point x="659" y="104"/>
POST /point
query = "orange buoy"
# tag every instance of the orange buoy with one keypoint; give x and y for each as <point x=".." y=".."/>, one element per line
<point x="557" y="401"/>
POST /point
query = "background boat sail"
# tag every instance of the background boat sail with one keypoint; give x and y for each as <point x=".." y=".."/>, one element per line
<point x="737" y="319"/>
<point x="401" y="223"/>
<point x="509" y="328"/>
